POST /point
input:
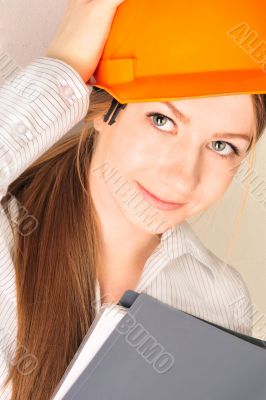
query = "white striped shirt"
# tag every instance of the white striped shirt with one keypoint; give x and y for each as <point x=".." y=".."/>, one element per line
<point x="40" y="104"/>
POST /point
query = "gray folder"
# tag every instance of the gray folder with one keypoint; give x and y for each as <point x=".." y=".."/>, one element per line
<point x="158" y="352"/>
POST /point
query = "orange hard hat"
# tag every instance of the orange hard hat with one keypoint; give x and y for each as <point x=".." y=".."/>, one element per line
<point x="170" y="49"/>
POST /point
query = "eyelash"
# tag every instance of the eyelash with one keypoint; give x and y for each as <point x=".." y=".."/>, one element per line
<point x="236" y="150"/>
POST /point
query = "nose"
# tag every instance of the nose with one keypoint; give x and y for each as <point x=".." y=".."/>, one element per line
<point x="180" y="172"/>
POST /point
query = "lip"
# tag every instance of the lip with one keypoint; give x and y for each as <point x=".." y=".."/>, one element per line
<point x="156" y="202"/>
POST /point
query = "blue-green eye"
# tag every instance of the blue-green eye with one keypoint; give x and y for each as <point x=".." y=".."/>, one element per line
<point x="158" y="121"/>
<point x="227" y="154"/>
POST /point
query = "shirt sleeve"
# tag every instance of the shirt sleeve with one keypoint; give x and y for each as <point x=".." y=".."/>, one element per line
<point x="38" y="105"/>
<point x="241" y="305"/>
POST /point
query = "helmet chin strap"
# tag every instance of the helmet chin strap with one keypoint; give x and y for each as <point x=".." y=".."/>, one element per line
<point x="116" y="107"/>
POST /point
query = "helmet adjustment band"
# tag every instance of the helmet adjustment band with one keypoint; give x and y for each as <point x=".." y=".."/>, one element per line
<point x="116" y="107"/>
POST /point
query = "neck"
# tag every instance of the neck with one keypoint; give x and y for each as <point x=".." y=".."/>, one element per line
<point x="125" y="246"/>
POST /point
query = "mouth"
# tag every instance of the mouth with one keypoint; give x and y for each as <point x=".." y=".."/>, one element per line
<point x="156" y="201"/>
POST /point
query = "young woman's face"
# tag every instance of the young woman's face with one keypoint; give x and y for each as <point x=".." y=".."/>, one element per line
<point x="183" y="156"/>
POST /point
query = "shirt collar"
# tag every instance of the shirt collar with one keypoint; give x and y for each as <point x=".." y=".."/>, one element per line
<point x="181" y="239"/>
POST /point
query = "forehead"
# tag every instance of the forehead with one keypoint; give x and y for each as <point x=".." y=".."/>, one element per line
<point x="226" y="112"/>
<point x="221" y="113"/>
<point x="224" y="103"/>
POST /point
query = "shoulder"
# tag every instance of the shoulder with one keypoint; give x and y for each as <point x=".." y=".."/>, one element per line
<point x="242" y="306"/>
<point x="239" y="301"/>
<point x="226" y="283"/>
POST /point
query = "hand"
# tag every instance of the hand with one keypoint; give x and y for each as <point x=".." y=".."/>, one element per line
<point x="82" y="34"/>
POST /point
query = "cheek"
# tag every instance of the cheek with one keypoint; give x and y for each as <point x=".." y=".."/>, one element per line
<point x="130" y="152"/>
<point x="215" y="183"/>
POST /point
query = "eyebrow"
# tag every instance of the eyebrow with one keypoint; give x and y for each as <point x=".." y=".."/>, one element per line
<point x="233" y="135"/>
<point x="185" y="119"/>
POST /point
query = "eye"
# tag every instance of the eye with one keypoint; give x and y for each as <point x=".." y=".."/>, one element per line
<point x="160" y="120"/>
<point x="222" y="144"/>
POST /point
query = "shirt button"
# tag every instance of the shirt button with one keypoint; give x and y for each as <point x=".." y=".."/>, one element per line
<point x="67" y="92"/>
<point x="24" y="132"/>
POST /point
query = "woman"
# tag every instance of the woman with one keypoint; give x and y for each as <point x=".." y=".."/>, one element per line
<point x="75" y="237"/>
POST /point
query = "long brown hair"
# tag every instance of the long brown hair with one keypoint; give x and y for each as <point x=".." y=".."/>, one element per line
<point x="56" y="264"/>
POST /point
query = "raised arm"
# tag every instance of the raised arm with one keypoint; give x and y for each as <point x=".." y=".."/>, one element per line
<point x="37" y="107"/>
<point x="45" y="99"/>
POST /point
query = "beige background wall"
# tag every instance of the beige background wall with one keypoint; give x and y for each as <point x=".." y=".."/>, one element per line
<point x="26" y="27"/>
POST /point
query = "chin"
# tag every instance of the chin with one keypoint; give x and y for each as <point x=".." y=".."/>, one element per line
<point x="151" y="221"/>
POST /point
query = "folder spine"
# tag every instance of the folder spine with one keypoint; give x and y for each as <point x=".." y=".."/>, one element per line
<point x="128" y="298"/>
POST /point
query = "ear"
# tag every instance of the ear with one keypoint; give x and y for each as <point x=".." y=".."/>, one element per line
<point x="98" y="123"/>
